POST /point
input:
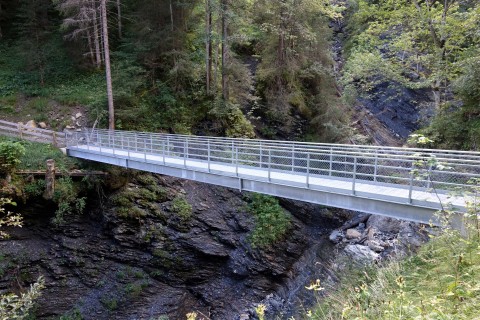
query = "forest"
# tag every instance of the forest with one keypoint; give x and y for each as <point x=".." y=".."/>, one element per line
<point x="128" y="244"/>
<point x="244" y="68"/>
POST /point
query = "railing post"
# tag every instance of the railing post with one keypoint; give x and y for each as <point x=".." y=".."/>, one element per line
<point x="308" y="170"/>
<point x="261" y="154"/>
<point x="269" y="163"/>
<point x="429" y="176"/>
<point x="208" y="152"/>
<point x="151" y="144"/>
<point x="99" y="141"/>
<point x="331" y="162"/>
<point x="354" y="174"/>
<point x="376" y="166"/>
<point x="293" y="158"/>
<point x="185" y="152"/>
<point x="145" y="150"/>
<point x="168" y="143"/>
<point x="236" y="161"/>
<point x="233" y="149"/>
<point x="410" y="189"/>
<point x="113" y="143"/>
<point x="54" y="136"/>
<point x="163" y="151"/>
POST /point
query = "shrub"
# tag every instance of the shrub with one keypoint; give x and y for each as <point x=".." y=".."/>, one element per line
<point x="272" y="222"/>
<point x="10" y="155"/>
<point x="67" y="198"/>
<point x="35" y="189"/>
<point x="182" y="208"/>
<point x="18" y="307"/>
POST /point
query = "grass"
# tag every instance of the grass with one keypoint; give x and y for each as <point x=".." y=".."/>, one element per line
<point x="182" y="208"/>
<point x="272" y="222"/>
<point x="442" y="281"/>
<point x="38" y="153"/>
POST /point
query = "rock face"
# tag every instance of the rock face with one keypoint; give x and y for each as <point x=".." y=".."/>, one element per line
<point x="146" y="254"/>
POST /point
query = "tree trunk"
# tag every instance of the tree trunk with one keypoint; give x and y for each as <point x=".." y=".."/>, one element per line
<point x="90" y="47"/>
<point x="119" y="13"/>
<point x="224" y="50"/>
<point x="1" y="35"/>
<point x="111" y="114"/>
<point x="171" y="16"/>
<point x="208" y="43"/>
<point x="96" y="36"/>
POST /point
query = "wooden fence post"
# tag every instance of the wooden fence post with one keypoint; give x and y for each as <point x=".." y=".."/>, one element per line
<point x="49" y="180"/>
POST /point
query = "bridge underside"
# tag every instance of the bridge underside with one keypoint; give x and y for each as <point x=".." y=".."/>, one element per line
<point x="417" y="211"/>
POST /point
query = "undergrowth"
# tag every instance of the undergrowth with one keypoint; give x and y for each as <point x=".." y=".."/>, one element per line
<point x="441" y="281"/>
<point x="36" y="155"/>
<point x="272" y="222"/>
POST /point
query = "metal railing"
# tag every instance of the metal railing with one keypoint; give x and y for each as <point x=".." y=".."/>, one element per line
<point x="408" y="168"/>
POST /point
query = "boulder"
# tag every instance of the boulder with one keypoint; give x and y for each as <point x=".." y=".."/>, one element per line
<point x="42" y="125"/>
<point x="336" y="236"/>
<point x="384" y="224"/>
<point x="371" y="233"/>
<point x="78" y="115"/>
<point x="31" y="124"/>
<point x="353" y="234"/>
<point x="362" y="254"/>
<point x="374" y="245"/>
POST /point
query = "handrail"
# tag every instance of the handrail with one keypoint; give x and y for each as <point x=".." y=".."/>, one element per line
<point x="299" y="146"/>
<point x="25" y="132"/>
<point x="373" y="147"/>
<point x="375" y="164"/>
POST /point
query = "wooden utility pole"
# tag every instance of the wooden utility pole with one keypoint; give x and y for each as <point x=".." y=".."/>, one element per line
<point x="108" y="72"/>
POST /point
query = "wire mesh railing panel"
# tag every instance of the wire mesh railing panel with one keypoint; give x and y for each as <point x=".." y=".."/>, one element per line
<point x="407" y="168"/>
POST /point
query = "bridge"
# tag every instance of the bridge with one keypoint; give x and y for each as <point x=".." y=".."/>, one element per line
<point x="404" y="183"/>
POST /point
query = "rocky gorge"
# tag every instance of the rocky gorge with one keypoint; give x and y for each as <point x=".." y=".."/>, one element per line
<point x="155" y="247"/>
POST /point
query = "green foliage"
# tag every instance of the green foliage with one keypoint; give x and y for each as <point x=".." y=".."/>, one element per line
<point x="75" y="314"/>
<point x="111" y="303"/>
<point x="66" y="196"/>
<point x="457" y="126"/>
<point x="232" y="119"/>
<point x="182" y="208"/>
<point x="272" y="222"/>
<point x="10" y="156"/>
<point x="18" y="307"/>
<point x="36" y="154"/>
<point x="134" y="290"/>
<point x="7" y="218"/>
<point x="440" y="282"/>
<point x="35" y="189"/>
